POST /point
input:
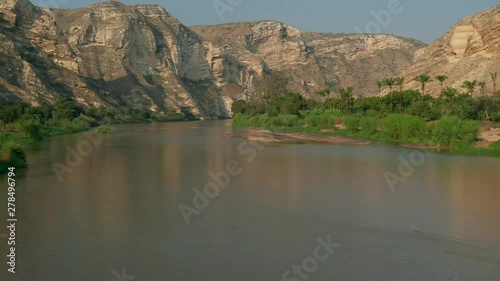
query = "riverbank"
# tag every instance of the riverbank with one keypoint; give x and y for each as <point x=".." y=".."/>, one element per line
<point x="15" y="138"/>
<point x="23" y="124"/>
<point x="450" y="135"/>
<point x="12" y="151"/>
<point x="14" y="141"/>
<point x="262" y="135"/>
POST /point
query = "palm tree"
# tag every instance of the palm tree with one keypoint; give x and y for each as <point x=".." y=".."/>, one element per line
<point x="447" y="93"/>
<point x="423" y="79"/>
<point x="441" y="79"/>
<point x="400" y="81"/>
<point x="324" y="93"/>
<point x="390" y="82"/>
<point x="345" y="94"/>
<point x="380" y="84"/>
<point x="494" y="79"/>
<point x="482" y="84"/>
<point x="470" y="86"/>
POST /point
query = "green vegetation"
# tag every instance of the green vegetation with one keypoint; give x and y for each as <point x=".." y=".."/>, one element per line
<point x="104" y="130"/>
<point x="168" y="117"/>
<point x="22" y="124"/>
<point x="11" y="153"/>
<point x="31" y="128"/>
<point x="405" y="128"/>
<point x="423" y="79"/>
<point x="320" y="117"/>
<point x="454" y="132"/>
<point x="450" y="121"/>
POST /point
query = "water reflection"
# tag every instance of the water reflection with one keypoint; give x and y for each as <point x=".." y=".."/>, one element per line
<point x="122" y="200"/>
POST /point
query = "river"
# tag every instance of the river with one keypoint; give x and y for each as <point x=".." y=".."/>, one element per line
<point x="126" y="210"/>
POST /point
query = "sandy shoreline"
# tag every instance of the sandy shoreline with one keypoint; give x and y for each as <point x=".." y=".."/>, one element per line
<point x="487" y="136"/>
<point x="262" y="135"/>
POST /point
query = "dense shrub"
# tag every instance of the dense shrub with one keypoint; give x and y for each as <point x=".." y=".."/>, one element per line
<point x="258" y="120"/>
<point x="73" y="126"/>
<point x="11" y="154"/>
<point x="168" y="117"/>
<point x="291" y="103"/>
<point x="495" y="117"/>
<point x="104" y="130"/>
<point x="240" y="119"/>
<point x="320" y="117"/>
<point x="239" y="106"/>
<point x="30" y="128"/>
<point x="313" y="104"/>
<point x="368" y="124"/>
<point x="371" y="113"/>
<point x="126" y="119"/>
<point x="415" y="129"/>
<point x="320" y="112"/>
<point x="320" y="121"/>
<point x="288" y="120"/>
<point x="422" y="109"/>
<point x="67" y="109"/>
<point x="495" y="146"/>
<point x="351" y="122"/>
<point x="247" y="120"/>
<point x="90" y="120"/>
<point x="406" y="128"/>
<point x="455" y="132"/>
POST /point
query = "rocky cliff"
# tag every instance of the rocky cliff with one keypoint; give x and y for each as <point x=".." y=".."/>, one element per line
<point x="308" y="60"/>
<point x="469" y="51"/>
<point x="140" y="56"/>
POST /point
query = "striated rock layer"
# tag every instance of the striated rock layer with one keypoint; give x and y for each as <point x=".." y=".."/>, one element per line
<point x="309" y="60"/>
<point x="140" y="56"/>
<point x="469" y="51"/>
<point x="107" y="54"/>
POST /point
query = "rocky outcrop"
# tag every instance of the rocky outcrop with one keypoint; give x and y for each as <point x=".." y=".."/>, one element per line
<point x="469" y="51"/>
<point x="308" y="60"/>
<point x="108" y="54"/>
<point x="111" y="54"/>
<point x="115" y="55"/>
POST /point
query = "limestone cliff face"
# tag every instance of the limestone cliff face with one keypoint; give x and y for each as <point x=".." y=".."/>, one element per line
<point x="469" y="51"/>
<point x="361" y="60"/>
<point x="24" y="73"/>
<point x="140" y="56"/>
<point x="107" y="54"/>
<point x="308" y="60"/>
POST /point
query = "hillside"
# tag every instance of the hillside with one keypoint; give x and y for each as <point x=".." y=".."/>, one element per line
<point x="107" y="54"/>
<point x="114" y="55"/>
<point x="308" y="60"/>
<point x="139" y="56"/>
<point x="469" y="51"/>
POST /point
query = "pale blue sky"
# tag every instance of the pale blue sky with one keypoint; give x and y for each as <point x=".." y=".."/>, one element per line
<point x="425" y="20"/>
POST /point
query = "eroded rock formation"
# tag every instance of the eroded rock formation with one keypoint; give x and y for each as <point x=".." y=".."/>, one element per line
<point x="140" y="56"/>
<point x="469" y="51"/>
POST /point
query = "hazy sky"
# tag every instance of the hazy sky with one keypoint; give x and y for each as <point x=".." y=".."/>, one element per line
<point x="426" y="20"/>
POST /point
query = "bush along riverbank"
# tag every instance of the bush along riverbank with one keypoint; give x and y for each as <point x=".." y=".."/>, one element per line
<point x="22" y="124"/>
<point x="446" y="134"/>
<point x="406" y="118"/>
